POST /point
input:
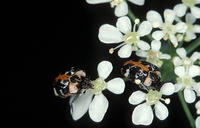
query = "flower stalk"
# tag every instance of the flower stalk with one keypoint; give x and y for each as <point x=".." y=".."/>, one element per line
<point x="186" y="109"/>
<point x="193" y="46"/>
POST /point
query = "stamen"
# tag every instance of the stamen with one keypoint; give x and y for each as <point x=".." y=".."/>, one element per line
<point x="111" y="51"/>
<point x="137" y="21"/>
<point x="137" y="81"/>
<point x="167" y="100"/>
<point x="166" y="37"/>
<point x="115" y="3"/>
<point x="198" y="111"/>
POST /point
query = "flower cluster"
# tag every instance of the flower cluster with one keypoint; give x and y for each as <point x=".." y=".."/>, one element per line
<point x="161" y="40"/>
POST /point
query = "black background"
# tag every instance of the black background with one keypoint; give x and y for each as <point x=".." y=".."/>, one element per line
<point x="41" y="39"/>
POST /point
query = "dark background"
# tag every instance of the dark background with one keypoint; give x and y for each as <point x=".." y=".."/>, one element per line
<point x="41" y="39"/>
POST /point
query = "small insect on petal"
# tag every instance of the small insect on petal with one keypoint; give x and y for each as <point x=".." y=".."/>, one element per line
<point x="144" y="74"/>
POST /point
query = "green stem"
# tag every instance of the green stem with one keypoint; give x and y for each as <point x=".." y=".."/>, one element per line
<point x="193" y="45"/>
<point x="181" y="42"/>
<point x="131" y="15"/>
<point x="170" y="47"/>
<point x="186" y="109"/>
<point x="125" y="79"/>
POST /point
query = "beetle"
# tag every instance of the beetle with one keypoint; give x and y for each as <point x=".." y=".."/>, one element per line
<point x="71" y="83"/>
<point x="142" y="73"/>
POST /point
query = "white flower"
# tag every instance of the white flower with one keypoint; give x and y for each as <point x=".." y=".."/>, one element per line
<point x="183" y="59"/>
<point x="154" y="55"/>
<point x="168" y="30"/>
<point x="143" y="113"/>
<point x="131" y="40"/>
<point x="185" y="81"/>
<point x="196" y="87"/>
<point x="99" y="104"/>
<point x="181" y="9"/>
<point x="121" y="8"/>
<point x="197" y="106"/>
<point x="197" y="121"/>
<point x="192" y="29"/>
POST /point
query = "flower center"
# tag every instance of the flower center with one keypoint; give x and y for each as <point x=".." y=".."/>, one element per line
<point x="131" y="37"/>
<point x="168" y="28"/>
<point x="115" y="3"/>
<point x="99" y="86"/>
<point x="153" y="56"/>
<point x="187" y="62"/>
<point x="153" y="96"/>
<point x="189" y="3"/>
<point x="187" y="81"/>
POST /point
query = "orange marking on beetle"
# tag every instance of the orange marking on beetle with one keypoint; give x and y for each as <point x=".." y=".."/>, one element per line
<point x="139" y="64"/>
<point x="61" y="77"/>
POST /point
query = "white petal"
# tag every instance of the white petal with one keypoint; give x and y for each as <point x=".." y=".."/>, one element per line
<point x="141" y="53"/>
<point x="197" y="122"/>
<point x="137" y="97"/>
<point x="196" y="28"/>
<point x="144" y="28"/>
<point x="194" y="71"/>
<point x="178" y="87"/>
<point x="169" y="15"/>
<point x="104" y="69"/>
<point x="195" y="56"/>
<point x="197" y="105"/>
<point x="137" y="2"/>
<point x="167" y="89"/>
<point x="165" y="56"/>
<point x="161" y="111"/>
<point x="109" y="34"/>
<point x="177" y="61"/>
<point x="124" y="24"/>
<point x="191" y="35"/>
<point x="153" y="17"/>
<point x="173" y="39"/>
<point x="195" y="12"/>
<point x="181" y="52"/>
<point x="155" y="45"/>
<point x="142" y="115"/>
<point x="125" y="51"/>
<point x="196" y="87"/>
<point x="121" y="9"/>
<point x="179" y="27"/>
<point x="97" y="1"/>
<point x="180" y="9"/>
<point x="158" y="35"/>
<point x="116" y="85"/>
<point x="98" y="108"/>
<point x="81" y="105"/>
<point x="189" y="95"/>
<point x="197" y="1"/>
<point x="143" y="45"/>
<point x="180" y="71"/>
<point x="190" y="18"/>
